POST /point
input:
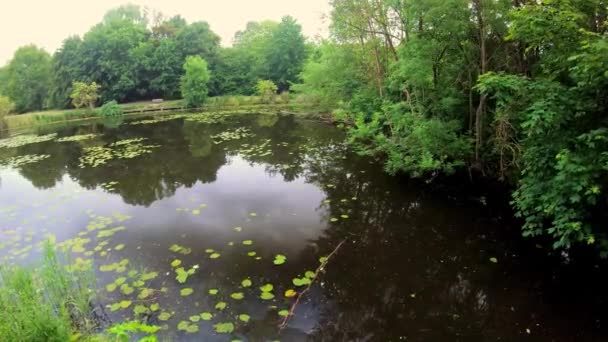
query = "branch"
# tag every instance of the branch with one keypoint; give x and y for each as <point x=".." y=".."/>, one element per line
<point x="301" y="294"/>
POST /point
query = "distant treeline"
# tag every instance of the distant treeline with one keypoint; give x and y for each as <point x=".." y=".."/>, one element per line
<point x="134" y="57"/>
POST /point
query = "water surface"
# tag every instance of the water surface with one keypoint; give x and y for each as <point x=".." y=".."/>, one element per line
<point x="415" y="264"/>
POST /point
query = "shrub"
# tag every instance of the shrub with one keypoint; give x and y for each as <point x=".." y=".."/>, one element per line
<point x="194" y="82"/>
<point x="284" y="97"/>
<point x="267" y="90"/>
<point x="110" y="109"/>
<point x="84" y="95"/>
<point x="46" y="303"/>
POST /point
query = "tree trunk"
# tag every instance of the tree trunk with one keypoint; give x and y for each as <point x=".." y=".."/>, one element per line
<point x="479" y="114"/>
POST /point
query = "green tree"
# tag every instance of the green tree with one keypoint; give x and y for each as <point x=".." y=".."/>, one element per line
<point x="84" y="95"/>
<point x="267" y="90"/>
<point x="66" y="70"/>
<point x="28" y="77"/>
<point x="286" y="53"/>
<point x="194" y="81"/>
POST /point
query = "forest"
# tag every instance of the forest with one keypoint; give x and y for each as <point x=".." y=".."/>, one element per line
<point x="511" y="90"/>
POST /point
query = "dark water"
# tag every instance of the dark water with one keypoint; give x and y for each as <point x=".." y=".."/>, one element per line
<point x="416" y="264"/>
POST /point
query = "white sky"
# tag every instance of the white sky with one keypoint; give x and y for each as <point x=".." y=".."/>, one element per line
<point x="47" y="23"/>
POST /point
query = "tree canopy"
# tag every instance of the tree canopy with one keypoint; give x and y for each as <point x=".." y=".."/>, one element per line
<point x="134" y="55"/>
<point x="514" y="90"/>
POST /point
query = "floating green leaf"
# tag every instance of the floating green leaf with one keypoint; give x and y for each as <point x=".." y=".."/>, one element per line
<point x="246" y="282"/>
<point x="237" y="295"/>
<point x="186" y="292"/>
<point x="213" y="292"/>
<point x="176" y="263"/>
<point x="284" y="313"/>
<point x="165" y="316"/>
<point x="244" y="317"/>
<point x="266" y="296"/>
<point x="195" y="318"/>
<point x="149" y="276"/>
<point x="279" y="259"/>
<point x="248" y="242"/>
<point x="214" y="255"/>
<point x="206" y="316"/>
<point x="224" y="328"/>
<point x="221" y="305"/>
<point x="266" y="288"/>
<point x="493" y="259"/>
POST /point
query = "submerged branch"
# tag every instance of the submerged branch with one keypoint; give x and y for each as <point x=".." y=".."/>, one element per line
<point x="302" y="293"/>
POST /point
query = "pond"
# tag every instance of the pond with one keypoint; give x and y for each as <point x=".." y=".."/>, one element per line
<point x="213" y="226"/>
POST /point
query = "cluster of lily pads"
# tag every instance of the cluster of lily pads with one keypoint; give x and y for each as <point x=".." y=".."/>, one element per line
<point x="235" y="134"/>
<point x="80" y="137"/>
<point x="18" y="161"/>
<point x="124" y="149"/>
<point x="22" y="140"/>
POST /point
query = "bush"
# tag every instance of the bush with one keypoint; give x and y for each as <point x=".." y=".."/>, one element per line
<point x="284" y="97"/>
<point x="194" y="82"/>
<point x="411" y="142"/>
<point x="110" y="109"/>
<point x="267" y="90"/>
<point x="85" y="95"/>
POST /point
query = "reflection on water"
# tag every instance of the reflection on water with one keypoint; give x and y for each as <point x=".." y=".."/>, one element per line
<point x="415" y="265"/>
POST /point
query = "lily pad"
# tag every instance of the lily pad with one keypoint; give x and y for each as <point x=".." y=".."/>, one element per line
<point x="221" y="305"/>
<point x="244" y="317"/>
<point x="237" y="295"/>
<point x="213" y="292"/>
<point x="214" y="255"/>
<point x="284" y="313"/>
<point x="224" y="328"/>
<point x="279" y="259"/>
<point x="186" y="292"/>
<point x="206" y="316"/>
<point x="290" y="293"/>
<point x="246" y="282"/>
<point x="165" y="316"/>
<point x="248" y="242"/>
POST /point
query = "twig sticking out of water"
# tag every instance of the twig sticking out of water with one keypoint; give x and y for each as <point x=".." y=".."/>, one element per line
<point x="303" y="292"/>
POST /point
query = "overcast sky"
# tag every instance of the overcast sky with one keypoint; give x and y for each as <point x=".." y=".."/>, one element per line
<point x="47" y="22"/>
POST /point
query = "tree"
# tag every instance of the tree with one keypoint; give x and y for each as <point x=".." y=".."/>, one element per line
<point x="267" y="90"/>
<point x="28" y="77"/>
<point x="194" y="81"/>
<point x="67" y="69"/>
<point x="286" y="53"/>
<point x="85" y="95"/>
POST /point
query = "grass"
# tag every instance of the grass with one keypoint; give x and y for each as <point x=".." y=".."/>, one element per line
<point x="50" y="302"/>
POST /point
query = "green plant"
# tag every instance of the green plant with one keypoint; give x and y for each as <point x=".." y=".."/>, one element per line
<point x="84" y="95"/>
<point x="194" y="83"/>
<point x="267" y="90"/>
<point x="48" y="303"/>
<point x="124" y="330"/>
<point x="110" y="109"/>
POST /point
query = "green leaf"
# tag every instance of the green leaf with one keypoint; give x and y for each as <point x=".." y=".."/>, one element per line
<point x="279" y="259"/>
<point x="237" y="295"/>
<point x="224" y="328"/>
<point x="246" y="282"/>
<point x="266" y="288"/>
<point x="284" y="313"/>
<point x="186" y="292"/>
<point x="213" y="292"/>
<point x="244" y="317"/>
<point x="221" y="305"/>
<point x="266" y="296"/>
<point x="206" y="316"/>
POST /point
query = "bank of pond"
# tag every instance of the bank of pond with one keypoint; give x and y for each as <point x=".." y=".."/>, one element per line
<point x="263" y="227"/>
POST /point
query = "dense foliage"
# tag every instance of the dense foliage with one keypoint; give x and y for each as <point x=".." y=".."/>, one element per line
<point x="133" y="56"/>
<point x="194" y="81"/>
<point x="515" y="90"/>
<point x="84" y="95"/>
